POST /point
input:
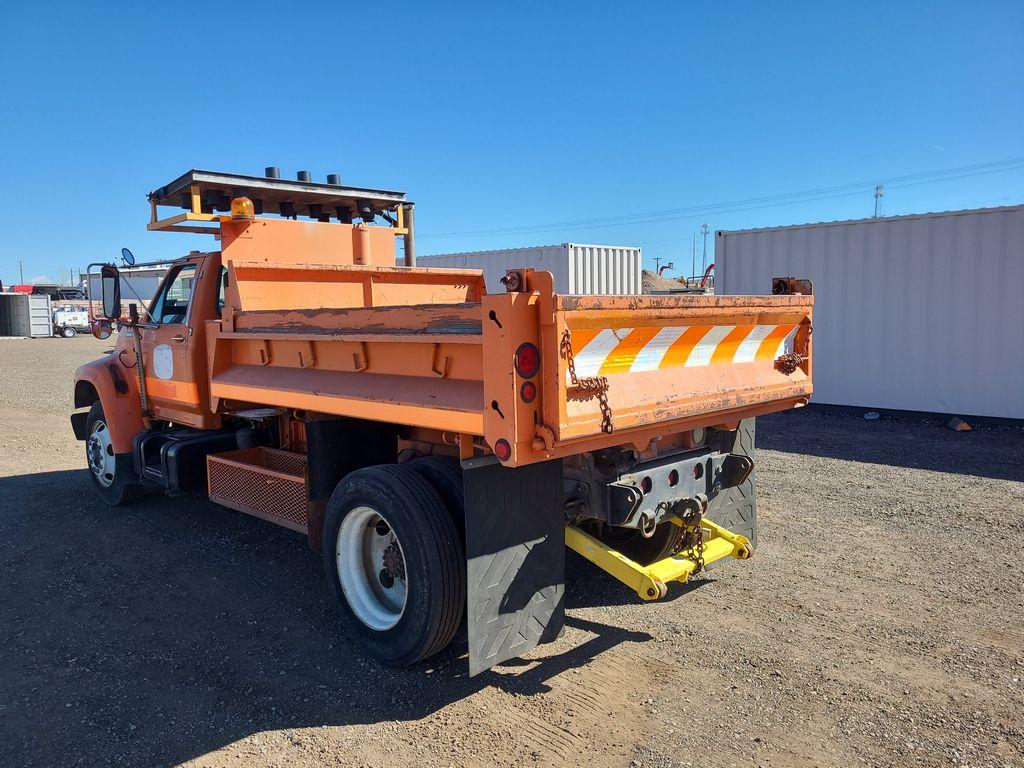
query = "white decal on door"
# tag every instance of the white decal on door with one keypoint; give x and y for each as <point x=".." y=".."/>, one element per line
<point x="163" y="362"/>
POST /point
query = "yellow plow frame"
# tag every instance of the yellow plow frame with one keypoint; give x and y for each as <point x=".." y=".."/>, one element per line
<point x="650" y="581"/>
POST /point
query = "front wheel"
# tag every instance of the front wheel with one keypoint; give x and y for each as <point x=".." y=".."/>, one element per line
<point x="112" y="474"/>
<point x="394" y="561"/>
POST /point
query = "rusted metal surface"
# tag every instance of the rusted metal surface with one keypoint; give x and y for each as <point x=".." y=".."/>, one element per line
<point x="788" y="363"/>
<point x="787" y="286"/>
<point x="423" y="320"/>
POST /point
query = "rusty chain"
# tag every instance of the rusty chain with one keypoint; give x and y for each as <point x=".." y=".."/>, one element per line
<point x="588" y="387"/>
<point x="691" y="542"/>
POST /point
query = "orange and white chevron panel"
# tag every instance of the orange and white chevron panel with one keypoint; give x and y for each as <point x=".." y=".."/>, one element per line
<point x="605" y="351"/>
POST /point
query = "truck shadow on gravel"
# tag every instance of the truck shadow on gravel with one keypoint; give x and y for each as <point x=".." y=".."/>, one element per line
<point x="158" y="632"/>
<point x="995" y="449"/>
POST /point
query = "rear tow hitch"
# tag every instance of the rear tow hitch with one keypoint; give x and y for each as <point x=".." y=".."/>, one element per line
<point x="650" y="582"/>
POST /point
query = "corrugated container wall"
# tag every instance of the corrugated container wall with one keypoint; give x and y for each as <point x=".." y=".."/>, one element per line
<point x="920" y="313"/>
<point x="577" y="269"/>
<point x="24" y="315"/>
<point x="40" y="322"/>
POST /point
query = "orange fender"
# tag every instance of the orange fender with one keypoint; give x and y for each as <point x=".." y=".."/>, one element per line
<point x="115" y="385"/>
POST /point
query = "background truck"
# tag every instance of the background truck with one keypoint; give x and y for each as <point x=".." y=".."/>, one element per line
<point x="438" y="444"/>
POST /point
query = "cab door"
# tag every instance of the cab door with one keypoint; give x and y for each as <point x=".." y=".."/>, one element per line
<point x="174" y="343"/>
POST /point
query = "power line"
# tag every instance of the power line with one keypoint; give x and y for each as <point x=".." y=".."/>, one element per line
<point x="767" y="201"/>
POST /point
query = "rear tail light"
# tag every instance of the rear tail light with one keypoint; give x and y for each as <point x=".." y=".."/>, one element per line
<point x="528" y="391"/>
<point x="527" y="360"/>
<point x="502" y="449"/>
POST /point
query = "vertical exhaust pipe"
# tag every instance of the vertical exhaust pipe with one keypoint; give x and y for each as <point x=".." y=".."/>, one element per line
<point x="409" y="237"/>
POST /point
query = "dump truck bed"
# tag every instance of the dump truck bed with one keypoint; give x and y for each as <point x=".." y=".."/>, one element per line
<point x="665" y="363"/>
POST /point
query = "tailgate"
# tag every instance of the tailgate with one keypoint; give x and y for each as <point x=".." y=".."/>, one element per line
<point x="662" y="359"/>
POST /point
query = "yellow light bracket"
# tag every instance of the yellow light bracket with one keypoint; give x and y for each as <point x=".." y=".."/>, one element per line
<point x="650" y="582"/>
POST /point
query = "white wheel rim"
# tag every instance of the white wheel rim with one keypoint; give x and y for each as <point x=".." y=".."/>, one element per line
<point x="376" y="591"/>
<point x="99" y="452"/>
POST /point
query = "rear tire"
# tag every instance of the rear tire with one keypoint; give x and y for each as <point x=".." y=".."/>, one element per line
<point x="444" y="473"/>
<point x="112" y="474"/>
<point x="395" y="563"/>
<point x="68" y="333"/>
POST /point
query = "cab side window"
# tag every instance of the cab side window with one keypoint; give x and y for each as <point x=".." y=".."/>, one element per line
<point x="222" y="286"/>
<point x="171" y="304"/>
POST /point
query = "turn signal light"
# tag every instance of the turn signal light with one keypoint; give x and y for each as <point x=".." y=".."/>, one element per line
<point x="502" y="450"/>
<point x="242" y="208"/>
<point x="527" y="360"/>
<point x="528" y="391"/>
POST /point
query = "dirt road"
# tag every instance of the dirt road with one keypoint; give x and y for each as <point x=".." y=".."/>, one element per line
<point x="880" y="622"/>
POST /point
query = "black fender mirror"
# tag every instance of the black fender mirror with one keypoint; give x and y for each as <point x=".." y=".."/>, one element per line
<point x="110" y="281"/>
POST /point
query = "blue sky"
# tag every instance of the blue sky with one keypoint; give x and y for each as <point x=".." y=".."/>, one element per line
<point x="498" y="117"/>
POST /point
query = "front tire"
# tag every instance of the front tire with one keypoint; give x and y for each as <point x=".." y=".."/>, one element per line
<point x="112" y="474"/>
<point x="395" y="563"/>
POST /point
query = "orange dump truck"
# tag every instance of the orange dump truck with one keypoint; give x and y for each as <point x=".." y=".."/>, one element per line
<point x="439" y="445"/>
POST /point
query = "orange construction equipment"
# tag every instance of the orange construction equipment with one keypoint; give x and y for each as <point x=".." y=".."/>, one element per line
<point x="439" y="445"/>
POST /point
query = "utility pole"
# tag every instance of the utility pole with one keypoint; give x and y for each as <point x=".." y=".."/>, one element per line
<point x="693" y="260"/>
<point x="879" y="192"/>
<point x="704" y="257"/>
<point x="657" y="264"/>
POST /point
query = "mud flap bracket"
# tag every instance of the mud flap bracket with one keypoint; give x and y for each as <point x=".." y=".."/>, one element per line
<point x="515" y="559"/>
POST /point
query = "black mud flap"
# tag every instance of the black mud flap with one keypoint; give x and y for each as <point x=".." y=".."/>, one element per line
<point x="515" y="559"/>
<point x="736" y="508"/>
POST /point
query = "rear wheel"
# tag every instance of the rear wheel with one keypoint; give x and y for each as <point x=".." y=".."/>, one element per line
<point x="445" y="474"/>
<point x="67" y="332"/>
<point x="394" y="561"/>
<point x="112" y="474"/>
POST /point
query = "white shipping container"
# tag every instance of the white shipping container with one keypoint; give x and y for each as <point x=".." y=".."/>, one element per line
<point x="577" y="269"/>
<point x="919" y="313"/>
<point x="25" y="316"/>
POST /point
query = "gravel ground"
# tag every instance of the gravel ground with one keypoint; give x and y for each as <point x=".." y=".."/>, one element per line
<point x="879" y="622"/>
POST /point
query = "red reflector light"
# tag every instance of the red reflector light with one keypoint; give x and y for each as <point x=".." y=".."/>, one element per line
<point x="528" y="391"/>
<point x="502" y="450"/>
<point x="527" y="360"/>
